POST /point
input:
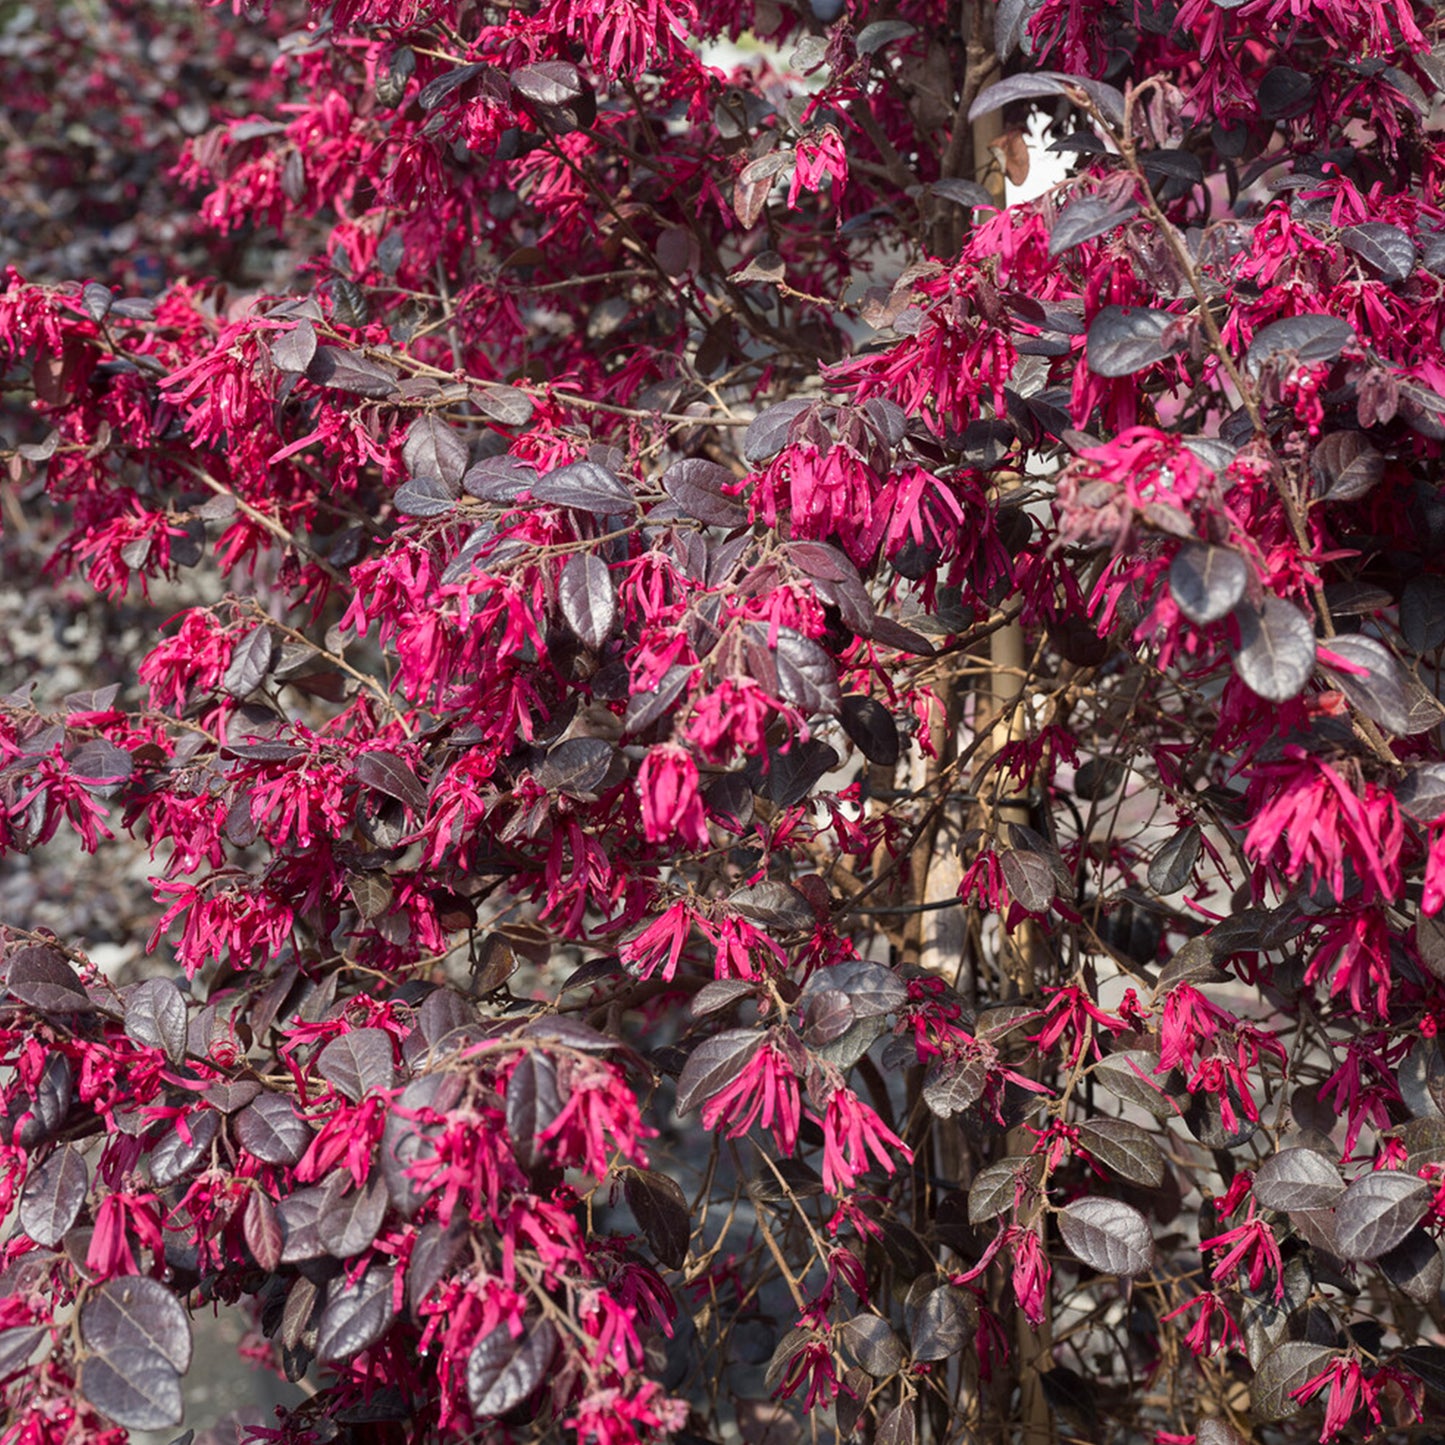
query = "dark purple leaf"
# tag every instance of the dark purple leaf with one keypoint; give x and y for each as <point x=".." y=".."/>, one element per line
<point x="229" y="1098"/>
<point x="346" y="370"/>
<point x="1421" y="792"/>
<point x="1298" y="1178"/>
<point x="1283" y="93"/>
<point x="261" y="1226"/>
<point x="807" y="676"/>
<point x="1376" y="1212"/>
<point x="53" y="1195"/>
<point x="995" y="1187"/>
<point x="1386" y="248"/>
<point x="250" y="661"/>
<point x="951" y="1085"/>
<point x="533" y="1103"/>
<point x="101" y="765"/>
<point x="1276" y="649"/>
<point x="1347" y="466"/>
<point x="1029" y="879"/>
<point x="1207" y="582"/>
<point x="1427" y="1364"/>
<point x="873" y="37"/>
<point x="872" y="988"/>
<point x="713" y="1065"/>
<point x="434" y="92"/>
<point x="1218" y="1432"/>
<point x="661" y="1209"/>
<point x="767" y="433"/>
<point x="1308" y="339"/>
<point x="1123" y="1147"/>
<point x="499" y="479"/>
<point x="888" y="633"/>
<point x="177" y="1154"/>
<point x="1193" y="963"/>
<point x="357" y="1314"/>
<point x="18" y="1346"/>
<point x="432" y="1256"/>
<point x="589" y="601"/>
<point x="570" y="1033"/>
<point x="1131" y="1075"/>
<point x="778" y="905"/>
<point x="502" y="1371"/>
<point x="1108" y="1235"/>
<point x="1380" y="694"/>
<point x="899" y="1426"/>
<point x="1422" y="612"/>
<point x="350" y="1217"/>
<point x="434" y="449"/>
<point x="718" y="995"/>
<point x="136" y="1312"/>
<point x="827" y="1016"/>
<point x="425" y="497"/>
<point x="294" y="350"/>
<point x="389" y="774"/>
<point x="406" y="1140"/>
<point x="272" y="1130"/>
<point x="1085" y="218"/>
<point x="585" y="486"/>
<point x="1125" y="339"/>
<point x="358" y="1062"/>
<point x="1173" y="862"/>
<point x="873" y="1344"/>
<point x="871" y="728"/>
<point x="1009" y="22"/>
<point x="645" y="708"/>
<point x="793" y="774"/>
<point x="1415" y="1267"/>
<point x="696" y="485"/>
<point x="155" y="1015"/>
<point x="549" y="82"/>
<point x="964" y="193"/>
<point x="940" y="1325"/>
<point x="135" y="1387"/>
<point x="297" y="1215"/>
<point x="1031" y="85"/>
<point x="1281" y="1373"/>
<point x="41" y="977"/>
<point x="576" y="767"/>
<point x="505" y="405"/>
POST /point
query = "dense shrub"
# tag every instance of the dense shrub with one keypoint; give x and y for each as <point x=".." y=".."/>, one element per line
<point x="777" y="797"/>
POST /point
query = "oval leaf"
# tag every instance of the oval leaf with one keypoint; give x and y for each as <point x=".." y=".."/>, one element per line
<point x="134" y="1387"/>
<point x="155" y="1015"/>
<point x="661" y="1209"/>
<point x="1108" y="1235"/>
<point x="1276" y="649"/>
<point x="697" y="486"/>
<point x="1207" y="582"/>
<point x="357" y="1314"/>
<point x="272" y="1130"/>
<point x="1085" y="218"/>
<point x="713" y="1065"/>
<point x="588" y="599"/>
<point x="355" y="1063"/>
<point x="1125" y="339"/>
<point x="1298" y="1179"/>
<point x="53" y="1196"/>
<point x="502" y="1372"/>
<point x="137" y="1313"/>
<point x="1376" y="1212"/>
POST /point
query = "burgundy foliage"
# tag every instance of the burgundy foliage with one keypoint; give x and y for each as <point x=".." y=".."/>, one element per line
<point x="776" y="798"/>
